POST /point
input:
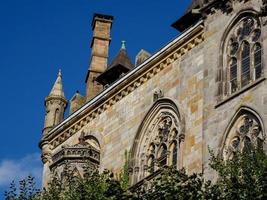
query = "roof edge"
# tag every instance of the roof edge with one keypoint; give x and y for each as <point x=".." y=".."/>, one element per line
<point x="105" y="92"/>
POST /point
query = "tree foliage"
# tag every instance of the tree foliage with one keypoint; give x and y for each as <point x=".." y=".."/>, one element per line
<point x="242" y="177"/>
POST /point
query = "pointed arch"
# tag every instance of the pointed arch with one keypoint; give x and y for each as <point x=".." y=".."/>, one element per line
<point x="161" y="126"/>
<point x="236" y="69"/>
<point x="246" y="128"/>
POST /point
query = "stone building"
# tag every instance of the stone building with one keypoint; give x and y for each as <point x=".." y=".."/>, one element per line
<point x="205" y="89"/>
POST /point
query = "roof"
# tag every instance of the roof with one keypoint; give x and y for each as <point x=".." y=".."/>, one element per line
<point x="57" y="90"/>
<point x="121" y="64"/>
<point x="99" y="98"/>
<point x="123" y="59"/>
<point x="195" y="4"/>
<point x="191" y="16"/>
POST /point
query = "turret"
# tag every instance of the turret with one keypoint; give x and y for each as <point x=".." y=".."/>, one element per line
<point x="101" y="26"/>
<point x="55" y="105"/>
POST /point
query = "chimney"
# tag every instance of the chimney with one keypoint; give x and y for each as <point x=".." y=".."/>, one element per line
<point x="101" y="26"/>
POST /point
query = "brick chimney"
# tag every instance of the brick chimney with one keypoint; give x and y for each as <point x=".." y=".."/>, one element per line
<point x="101" y="26"/>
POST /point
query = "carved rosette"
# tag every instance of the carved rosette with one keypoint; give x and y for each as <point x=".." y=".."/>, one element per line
<point x="244" y="134"/>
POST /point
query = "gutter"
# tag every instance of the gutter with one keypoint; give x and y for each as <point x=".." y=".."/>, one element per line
<point x="104" y="93"/>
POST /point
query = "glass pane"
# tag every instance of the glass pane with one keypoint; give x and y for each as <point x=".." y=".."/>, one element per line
<point x="257" y="61"/>
<point x="233" y="75"/>
<point x="256" y="35"/>
<point x="245" y="64"/>
<point x="174" y="156"/>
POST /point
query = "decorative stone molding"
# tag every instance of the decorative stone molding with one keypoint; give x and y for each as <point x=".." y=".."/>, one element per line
<point x="156" y="139"/>
<point x="148" y="71"/>
<point x="157" y="95"/>
<point x="46" y="152"/>
<point x="246" y="131"/>
<point x="83" y="152"/>
<point x="244" y="32"/>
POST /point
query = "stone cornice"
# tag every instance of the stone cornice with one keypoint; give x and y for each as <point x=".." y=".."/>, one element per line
<point x="131" y="81"/>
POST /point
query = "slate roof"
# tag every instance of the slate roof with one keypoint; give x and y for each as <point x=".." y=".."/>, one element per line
<point x="123" y="59"/>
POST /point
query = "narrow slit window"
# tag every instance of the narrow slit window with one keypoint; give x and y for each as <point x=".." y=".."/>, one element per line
<point x="257" y="61"/>
<point x="174" y="155"/>
<point x="233" y="75"/>
<point x="245" y="64"/>
<point x="151" y="164"/>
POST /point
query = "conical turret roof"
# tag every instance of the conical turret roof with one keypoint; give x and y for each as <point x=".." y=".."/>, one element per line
<point x="122" y="59"/>
<point x="120" y="65"/>
<point x="57" y="90"/>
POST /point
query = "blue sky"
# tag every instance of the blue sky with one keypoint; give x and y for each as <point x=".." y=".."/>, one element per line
<point x="38" y="37"/>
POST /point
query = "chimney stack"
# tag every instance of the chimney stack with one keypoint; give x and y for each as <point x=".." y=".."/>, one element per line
<point x="101" y="26"/>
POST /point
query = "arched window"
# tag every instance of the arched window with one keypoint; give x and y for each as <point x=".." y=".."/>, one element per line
<point x="56" y="119"/>
<point x="157" y="140"/>
<point x="257" y="60"/>
<point x="162" y="155"/>
<point x="245" y="64"/>
<point x="242" y="58"/>
<point x="151" y="164"/>
<point x="233" y="75"/>
<point x="245" y="132"/>
<point x="174" y="154"/>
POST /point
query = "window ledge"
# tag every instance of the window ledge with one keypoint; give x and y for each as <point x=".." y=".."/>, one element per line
<point x="244" y="89"/>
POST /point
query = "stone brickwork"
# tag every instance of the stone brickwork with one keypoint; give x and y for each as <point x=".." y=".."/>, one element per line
<point x="186" y="73"/>
<point x="101" y="26"/>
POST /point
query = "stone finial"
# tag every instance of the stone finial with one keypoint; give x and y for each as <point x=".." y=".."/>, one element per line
<point x="123" y="44"/>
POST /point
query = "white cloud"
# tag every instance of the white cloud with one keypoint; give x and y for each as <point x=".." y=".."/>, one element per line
<point x="18" y="169"/>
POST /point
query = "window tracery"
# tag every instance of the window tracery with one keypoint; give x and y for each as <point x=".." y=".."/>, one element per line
<point x="158" y="141"/>
<point x="243" y="55"/>
<point x="245" y="133"/>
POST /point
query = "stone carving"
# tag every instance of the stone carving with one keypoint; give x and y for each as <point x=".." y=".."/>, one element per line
<point x="79" y="156"/>
<point x="158" y="143"/>
<point x="46" y="152"/>
<point x="157" y="95"/>
<point x="245" y="133"/>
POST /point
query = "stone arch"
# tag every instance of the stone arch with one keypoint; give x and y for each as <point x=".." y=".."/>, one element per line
<point x="246" y="125"/>
<point x="161" y="126"/>
<point x="94" y="136"/>
<point x="223" y="74"/>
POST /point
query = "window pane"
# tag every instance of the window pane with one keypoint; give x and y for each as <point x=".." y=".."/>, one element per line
<point x="245" y="64"/>
<point x="233" y="75"/>
<point x="174" y="156"/>
<point x="257" y="61"/>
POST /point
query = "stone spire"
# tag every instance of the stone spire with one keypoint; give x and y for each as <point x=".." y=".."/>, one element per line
<point x="57" y="90"/>
<point x="55" y="105"/>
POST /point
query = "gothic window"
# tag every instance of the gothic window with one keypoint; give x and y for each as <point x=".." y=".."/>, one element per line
<point x="245" y="64"/>
<point x="56" y="119"/>
<point x="162" y="155"/>
<point x="257" y="60"/>
<point x="151" y="164"/>
<point x="233" y="75"/>
<point x="243" y="55"/>
<point x="157" y="142"/>
<point x="174" y="154"/>
<point x="245" y="133"/>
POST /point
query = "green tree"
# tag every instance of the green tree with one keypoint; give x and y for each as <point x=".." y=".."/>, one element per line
<point x="242" y="177"/>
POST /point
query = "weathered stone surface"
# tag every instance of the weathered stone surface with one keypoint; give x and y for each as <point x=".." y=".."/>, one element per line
<point x="190" y="80"/>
